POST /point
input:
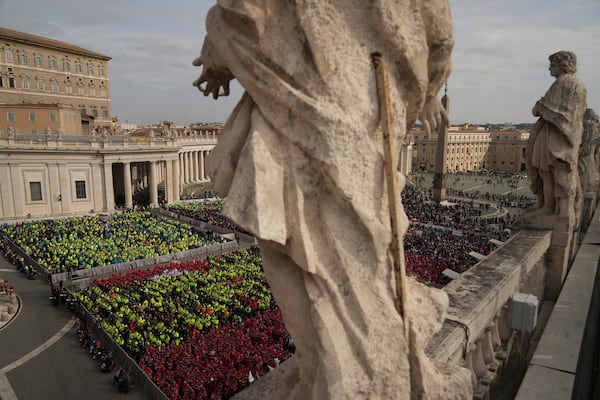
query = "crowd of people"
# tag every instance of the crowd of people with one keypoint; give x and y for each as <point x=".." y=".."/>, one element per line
<point x="218" y="308"/>
<point x="204" y="194"/>
<point x="222" y="361"/>
<point x="439" y="236"/>
<point x="189" y="325"/>
<point x="442" y="236"/>
<point x="207" y="211"/>
<point x="85" y="242"/>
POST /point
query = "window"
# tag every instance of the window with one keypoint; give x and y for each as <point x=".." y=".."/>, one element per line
<point x="25" y="82"/>
<point x="32" y="117"/>
<point x="10" y="116"/>
<point x="105" y="113"/>
<point x="68" y="88"/>
<point x="54" y="84"/>
<point x="80" y="191"/>
<point x="92" y="91"/>
<point x="80" y="90"/>
<point x="90" y="69"/>
<point x="52" y="63"/>
<point x="35" y="189"/>
<point x="8" y="55"/>
<point x="41" y="86"/>
<point x="37" y="60"/>
<point x="100" y="70"/>
<point x="67" y="65"/>
<point x="95" y="112"/>
<point x="52" y="117"/>
<point x="11" y="82"/>
<point x="79" y="67"/>
<point x="1" y="80"/>
<point x="22" y="57"/>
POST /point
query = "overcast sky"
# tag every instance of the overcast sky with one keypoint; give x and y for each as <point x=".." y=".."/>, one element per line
<point x="500" y="57"/>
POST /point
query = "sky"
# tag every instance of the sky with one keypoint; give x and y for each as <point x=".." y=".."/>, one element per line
<point x="500" y="56"/>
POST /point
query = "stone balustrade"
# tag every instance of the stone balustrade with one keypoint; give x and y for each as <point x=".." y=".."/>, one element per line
<point x="477" y="333"/>
<point x="99" y="142"/>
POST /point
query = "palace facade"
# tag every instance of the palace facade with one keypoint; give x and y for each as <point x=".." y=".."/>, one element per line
<point x="472" y="149"/>
<point x="61" y="151"/>
<point x="37" y="71"/>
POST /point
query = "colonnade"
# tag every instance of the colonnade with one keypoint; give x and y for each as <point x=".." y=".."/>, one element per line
<point x="136" y="176"/>
<point x="168" y="174"/>
<point x="191" y="165"/>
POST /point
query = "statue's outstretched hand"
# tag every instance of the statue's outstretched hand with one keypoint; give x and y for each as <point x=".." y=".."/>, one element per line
<point x="213" y="79"/>
<point x="433" y="115"/>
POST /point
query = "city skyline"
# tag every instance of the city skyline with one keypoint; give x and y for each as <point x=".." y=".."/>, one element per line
<point x="500" y="58"/>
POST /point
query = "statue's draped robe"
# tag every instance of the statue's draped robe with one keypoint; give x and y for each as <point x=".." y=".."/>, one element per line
<point x="300" y="161"/>
<point x="556" y="137"/>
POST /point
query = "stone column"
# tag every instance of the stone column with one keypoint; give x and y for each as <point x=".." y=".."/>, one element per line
<point x="96" y="186"/>
<point x="145" y="175"/>
<point x="195" y="166"/>
<point x="169" y="181"/>
<point x="187" y="166"/>
<point x="109" y="195"/>
<point x="152" y="185"/>
<point x="7" y="196"/>
<point x="158" y="172"/>
<point x="55" y="187"/>
<point x="127" y="184"/>
<point x="136" y="183"/>
<point x="175" y="178"/>
<point x="66" y="195"/>
<point x="202" y="177"/>
<point x="181" y="171"/>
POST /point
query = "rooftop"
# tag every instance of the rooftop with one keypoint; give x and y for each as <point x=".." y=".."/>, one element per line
<point x="27" y="38"/>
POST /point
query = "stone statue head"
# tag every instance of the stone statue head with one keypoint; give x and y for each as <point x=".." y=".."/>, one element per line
<point x="566" y="60"/>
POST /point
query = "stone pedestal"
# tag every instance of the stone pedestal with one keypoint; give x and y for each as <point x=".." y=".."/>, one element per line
<point x="558" y="256"/>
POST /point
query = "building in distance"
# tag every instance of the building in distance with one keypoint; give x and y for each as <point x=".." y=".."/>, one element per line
<point x="472" y="148"/>
<point x="43" y="80"/>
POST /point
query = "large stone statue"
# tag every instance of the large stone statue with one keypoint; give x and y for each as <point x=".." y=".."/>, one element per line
<point x="300" y="162"/>
<point x="554" y="142"/>
<point x="588" y="168"/>
<point x="591" y="128"/>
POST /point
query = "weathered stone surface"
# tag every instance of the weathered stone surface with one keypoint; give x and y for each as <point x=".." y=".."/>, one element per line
<point x="589" y="169"/>
<point x="479" y="294"/>
<point x="553" y="146"/>
<point x="300" y="162"/>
